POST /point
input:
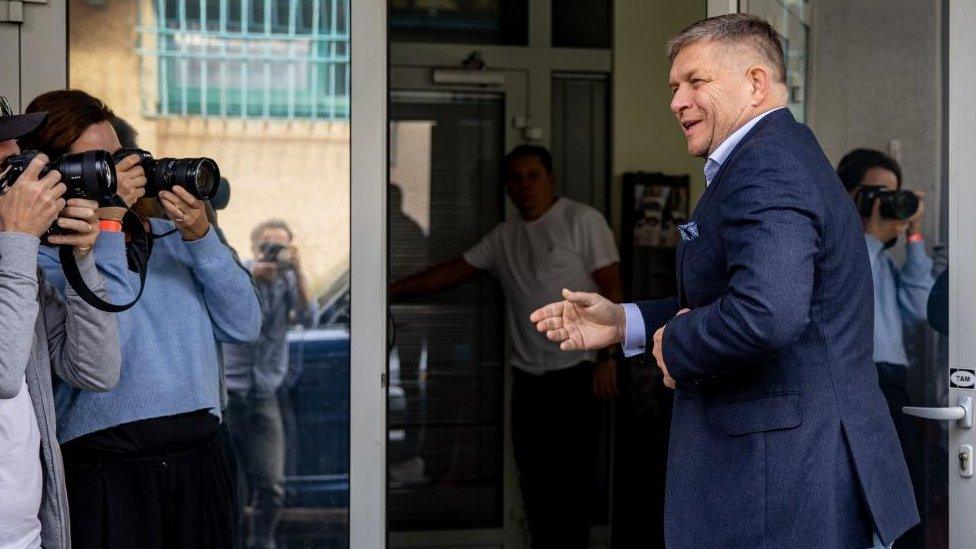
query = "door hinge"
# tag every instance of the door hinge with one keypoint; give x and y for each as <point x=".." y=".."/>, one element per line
<point x="383" y="380"/>
<point x="11" y="11"/>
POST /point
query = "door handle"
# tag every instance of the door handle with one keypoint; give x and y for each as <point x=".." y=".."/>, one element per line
<point x="962" y="413"/>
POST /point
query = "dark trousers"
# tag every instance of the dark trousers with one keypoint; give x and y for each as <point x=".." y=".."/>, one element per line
<point x="894" y="384"/>
<point x="259" y="437"/>
<point x="554" y="435"/>
<point x="174" y="496"/>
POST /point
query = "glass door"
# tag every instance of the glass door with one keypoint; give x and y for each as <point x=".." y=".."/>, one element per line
<point x="276" y="92"/>
<point x="925" y="364"/>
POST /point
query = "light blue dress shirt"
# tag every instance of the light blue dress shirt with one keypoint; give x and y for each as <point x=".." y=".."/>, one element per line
<point x="635" y="340"/>
<point x="901" y="296"/>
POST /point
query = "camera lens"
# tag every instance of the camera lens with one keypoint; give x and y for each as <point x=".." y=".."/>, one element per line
<point x="199" y="176"/>
<point x="88" y="175"/>
<point x="902" y="205"/>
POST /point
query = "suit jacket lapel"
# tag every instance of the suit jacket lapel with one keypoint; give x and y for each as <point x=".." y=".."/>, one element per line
<point x="783" y="114"/>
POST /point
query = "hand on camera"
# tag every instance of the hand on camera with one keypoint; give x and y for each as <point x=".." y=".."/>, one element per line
<point x="78" y="217"/>
<point x="290" y="256"/>
<point x="131" y="179"/>
<point x="882" y="228"/>
<point x="915" y="221"/>
<point x="186" y="211"/>
<point x="265" y="270"/>
<point x="33" y="202"/>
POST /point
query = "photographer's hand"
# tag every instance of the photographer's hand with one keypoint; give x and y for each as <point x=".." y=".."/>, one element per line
<point x="915" y="221"/>
<point x="132" y="179"/>
<point x="32" y="203"/>
<point x="882" y="228"/>
<point x="186" y="211"/>
<point x="264" y="270"/>
<point x="80" y="218"/>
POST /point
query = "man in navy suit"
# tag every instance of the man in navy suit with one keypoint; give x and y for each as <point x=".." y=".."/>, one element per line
<point x="781" y="436"/>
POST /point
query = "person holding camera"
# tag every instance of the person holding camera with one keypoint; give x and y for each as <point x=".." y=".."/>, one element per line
<point x="901" y="292"/>
<point x="256" y="376"/>
<point x="42" y="332"/>
<point x="144" y="465"/>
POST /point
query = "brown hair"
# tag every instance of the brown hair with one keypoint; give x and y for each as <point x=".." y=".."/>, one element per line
<point x="69" y="114"/>
<point x="734" y="28"/>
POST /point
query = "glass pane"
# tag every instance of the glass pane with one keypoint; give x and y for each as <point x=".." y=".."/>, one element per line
<point x="789" y="19"/>
<point x="460" y="21"/>
<point x="582" y="24"/>
<point x="446" y="391"/>
<point x="911" y="357"/>
<point x="581" y="136"/>
<point x="262" y="87"/>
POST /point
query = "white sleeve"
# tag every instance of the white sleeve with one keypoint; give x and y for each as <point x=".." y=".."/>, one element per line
<point x="597" y="245"/>
<point x="482" y="255"/>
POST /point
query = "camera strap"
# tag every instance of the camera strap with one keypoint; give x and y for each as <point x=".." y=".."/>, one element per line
<point x="137" y="251"/>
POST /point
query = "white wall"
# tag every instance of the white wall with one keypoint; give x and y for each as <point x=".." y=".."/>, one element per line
<point x="875" y="71"/>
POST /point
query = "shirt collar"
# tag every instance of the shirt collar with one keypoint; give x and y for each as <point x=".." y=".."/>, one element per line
<point x="722" y="152"/>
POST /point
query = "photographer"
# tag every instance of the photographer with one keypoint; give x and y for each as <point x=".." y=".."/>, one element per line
<point x="900" y="292"/>
<point x="256" y="373"/>
<point x="42" y="332"/>
<point x="150" y="444"/>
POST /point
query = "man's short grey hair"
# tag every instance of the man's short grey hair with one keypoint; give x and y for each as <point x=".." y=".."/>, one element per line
<point x="735" y="28"/>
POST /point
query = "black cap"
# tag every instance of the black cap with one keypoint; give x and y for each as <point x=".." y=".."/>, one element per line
<point x="13" y="126"/>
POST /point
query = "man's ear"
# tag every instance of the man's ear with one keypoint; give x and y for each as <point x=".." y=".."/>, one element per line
<point x="761" y="82"/>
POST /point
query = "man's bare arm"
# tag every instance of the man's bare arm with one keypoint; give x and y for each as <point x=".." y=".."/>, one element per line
<point x="435" y="279"/>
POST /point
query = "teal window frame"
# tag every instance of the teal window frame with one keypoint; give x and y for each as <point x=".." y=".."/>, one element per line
<point x="252" y="59"/>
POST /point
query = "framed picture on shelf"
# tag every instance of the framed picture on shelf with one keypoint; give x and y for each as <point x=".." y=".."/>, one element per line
<point x="654" y="205"/>
<point x="659" y="204"/>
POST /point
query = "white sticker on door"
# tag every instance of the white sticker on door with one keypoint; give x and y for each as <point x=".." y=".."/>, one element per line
<point x="961" y="378"/>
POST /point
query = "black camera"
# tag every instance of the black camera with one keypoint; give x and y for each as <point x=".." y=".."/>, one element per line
<point x="89" y="175"/>
<point x="894" y="204"/>
<point x="270" y="252"/>
<point x="199" y="176"/>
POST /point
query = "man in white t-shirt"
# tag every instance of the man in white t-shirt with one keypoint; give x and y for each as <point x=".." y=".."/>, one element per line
<point x="553" y="243"/>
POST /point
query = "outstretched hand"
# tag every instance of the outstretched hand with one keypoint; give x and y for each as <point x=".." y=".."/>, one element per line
<point x="582" y="322"/>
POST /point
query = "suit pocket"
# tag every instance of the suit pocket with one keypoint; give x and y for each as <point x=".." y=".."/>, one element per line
<point x="756" y="414"/>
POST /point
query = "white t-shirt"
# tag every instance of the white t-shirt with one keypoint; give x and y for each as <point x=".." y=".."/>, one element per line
<point x="21" y="483"/>
<point x="535" y="260"/>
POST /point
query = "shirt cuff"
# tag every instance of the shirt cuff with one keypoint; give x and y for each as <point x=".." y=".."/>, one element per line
<point x="635" y="336"/>
<point x="89" y="273"/>
<point x="19" y="253"/>
<point x="917" y="260"/>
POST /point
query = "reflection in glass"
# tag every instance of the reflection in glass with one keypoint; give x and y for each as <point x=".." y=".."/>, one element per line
<point x="446" y="375"/>
<point x="261" y="87"/>
<point x="460" y="21"/>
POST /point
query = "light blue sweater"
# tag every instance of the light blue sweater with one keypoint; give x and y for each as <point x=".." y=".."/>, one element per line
<point x="195" y="293"/>
<point x="901" y="296"/>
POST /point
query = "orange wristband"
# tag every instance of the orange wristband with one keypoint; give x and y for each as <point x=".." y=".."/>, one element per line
<point x="110" y="225"/>
<point x="916" y="237"/>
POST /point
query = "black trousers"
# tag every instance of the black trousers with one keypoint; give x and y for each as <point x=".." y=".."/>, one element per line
<point x="554" y="435"/>
<point x="894" y="384"/>
<point x="158" y="485"/>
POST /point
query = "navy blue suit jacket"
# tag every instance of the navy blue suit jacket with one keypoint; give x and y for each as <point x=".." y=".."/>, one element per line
<point x="781" y="436"/>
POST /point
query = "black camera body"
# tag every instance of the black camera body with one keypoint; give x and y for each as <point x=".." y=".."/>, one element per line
<point x="199" y="176"/>
<point x="270" y="252"/>
<point x="894" y="204"/>
<point x="89" y="175"/>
